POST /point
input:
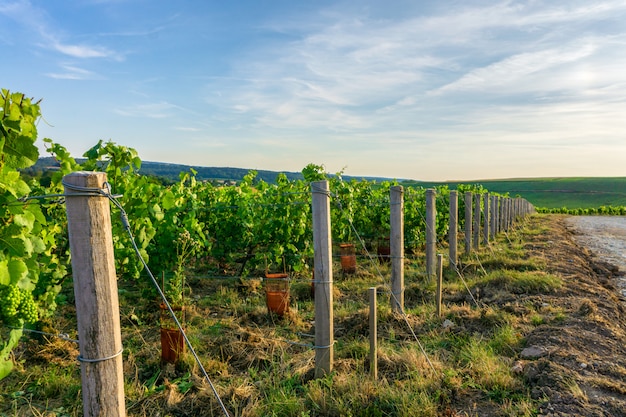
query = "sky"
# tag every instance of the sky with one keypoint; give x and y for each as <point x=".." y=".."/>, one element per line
<point x="427" y="90"/>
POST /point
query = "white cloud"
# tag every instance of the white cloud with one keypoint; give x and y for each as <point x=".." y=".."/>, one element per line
<point x="72" y="72"/>
<point x="515" y="72"/>
<point x="82" y="51"/>
<point x="49" y="34"/>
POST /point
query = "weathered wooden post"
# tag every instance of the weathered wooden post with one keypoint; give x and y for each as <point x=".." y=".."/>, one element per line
<point x="323" y="267"/>
<point x="476" y="235"/>
<point x="431" y="232"/>
<point x="396" y="200"/>
<point x="453" y="229"/>
<point x="486" y="214"/>
<point x="468" y="222"/>
<point x="507" y="213"/>
<point x="439" y="283"/>
<point x="95" y="289"/>
<point x="373" y="334"/>
<point x="494" y="217"/>
<point x="503" y="214"/>
<point x="498" y="213"/>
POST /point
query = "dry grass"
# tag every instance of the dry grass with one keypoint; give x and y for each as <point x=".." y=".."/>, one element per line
<point x="262" y="365"/>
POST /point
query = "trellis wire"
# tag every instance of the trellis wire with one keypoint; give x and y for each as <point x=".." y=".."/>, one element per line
<point x="402" y="310"/>
<point x="126" y="225"/>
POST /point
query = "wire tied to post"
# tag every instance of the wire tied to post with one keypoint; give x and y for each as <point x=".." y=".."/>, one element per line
<point x="106" y="192"/>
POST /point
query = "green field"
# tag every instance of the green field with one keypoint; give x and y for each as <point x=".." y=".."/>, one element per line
<point x="572" y="192"/>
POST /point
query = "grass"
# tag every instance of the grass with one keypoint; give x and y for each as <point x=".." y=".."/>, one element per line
<point x="262" y="365"/>
<point x="570" y="192"/>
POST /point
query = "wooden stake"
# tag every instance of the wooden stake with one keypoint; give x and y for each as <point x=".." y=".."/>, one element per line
<point x="373" y="334"/>
<point x="396" y="201"/>
<point x="439" y="283"/>
<point x="95" y="289"/>
<point x="486" y="214"/>
<point x="476" y="231"/>
<point x="431" y="232"/>
<point x="453" y="229"/>
<point x="323" y="267"/>
<point x="468" y="222"/>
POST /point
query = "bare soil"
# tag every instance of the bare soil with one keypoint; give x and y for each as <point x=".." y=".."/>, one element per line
<point x="579" y="365"/>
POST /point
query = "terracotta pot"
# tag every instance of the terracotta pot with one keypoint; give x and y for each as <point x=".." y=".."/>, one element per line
<point x="348" y="258"/>
<point x="277" y="293"/>
<point x="172" y="340"/>
<point x="172" y="345"/>
<point x="384" y="251"/>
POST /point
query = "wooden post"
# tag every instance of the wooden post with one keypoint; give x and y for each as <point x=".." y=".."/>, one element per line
<point x="95" y="290"/>
<point x="508" y="221"/>
<point x="502" y="214"/>
<point x="486" y="213"/>
<point x="453" y="229"/>
<point x="476" y="235"/>
<point x="373" y="335"/>
<point x="431" y="232"/>
<point x="493" y="217"/>
<point x="468" y="222"/>
<point x="396" y="199"/>
<point x="323" y="267"/>
<point x="439" y="283"/>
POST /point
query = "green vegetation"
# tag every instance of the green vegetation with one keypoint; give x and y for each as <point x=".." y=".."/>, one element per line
<point x="212" y="244"/>
<point x="262" y="365"/>
<point x="554" y="193"/>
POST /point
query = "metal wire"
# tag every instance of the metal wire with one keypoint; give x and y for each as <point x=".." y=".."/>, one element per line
<point x="105" y="192"/>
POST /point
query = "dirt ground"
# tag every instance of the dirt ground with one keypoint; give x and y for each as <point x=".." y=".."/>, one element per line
<point x="578" y="365"/>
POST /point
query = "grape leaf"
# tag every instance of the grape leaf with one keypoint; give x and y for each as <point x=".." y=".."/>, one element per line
<point x="6" y="364"/>
<point x="17" y="270"/>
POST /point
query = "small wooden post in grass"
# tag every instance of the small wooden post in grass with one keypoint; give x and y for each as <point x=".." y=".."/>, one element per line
<point x="431" y="232"/>
<point x="476" y="230"/>
<point x="373" y="335"/>
<point x="439" y="283"/>
<point x="453" y="229"/>
<point x="95" y="289"/>
<point x="396" y="201"/>
<point x="486" y="214"/>
<point x="323" y="267"/>
<point x="468" y="222"/>
<point x="494" y="217"/>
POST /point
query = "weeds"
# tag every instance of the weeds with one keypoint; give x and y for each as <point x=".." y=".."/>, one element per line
<point x="263" y="364"/>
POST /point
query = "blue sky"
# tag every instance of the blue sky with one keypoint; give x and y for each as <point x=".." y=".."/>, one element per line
<point x="431" y="90"/>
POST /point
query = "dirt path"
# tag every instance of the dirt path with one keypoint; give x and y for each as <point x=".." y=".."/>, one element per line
<point x="582" y="371"/>
<point x="605" y="237"/>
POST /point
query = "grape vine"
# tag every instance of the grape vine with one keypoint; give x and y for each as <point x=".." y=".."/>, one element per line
<point x="241" y="230"/>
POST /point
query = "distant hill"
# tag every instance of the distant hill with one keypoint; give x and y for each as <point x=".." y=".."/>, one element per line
<point x="570" y="192"/>
<point x="171" y="172"/>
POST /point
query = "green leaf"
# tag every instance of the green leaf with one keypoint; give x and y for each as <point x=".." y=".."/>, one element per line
<point x="17" y="270"/>
<point x="6" y="364"/>
<point x="156" y="211"/>
<point x="20" y="152"/>
<point x="169" y="200"/>
<point x="11" y="182"/>
<point x="15" y="246"/>
<point x="5" y="276"/>
<point x="25" y="219"/>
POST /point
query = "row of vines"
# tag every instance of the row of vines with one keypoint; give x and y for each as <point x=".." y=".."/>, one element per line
<point x="238" y="230"/>
<point x="602" y="210"/>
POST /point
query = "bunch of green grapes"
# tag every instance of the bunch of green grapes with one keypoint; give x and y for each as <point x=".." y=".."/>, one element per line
<point x="17" y="304"/>
<point x="10" y="297"/>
